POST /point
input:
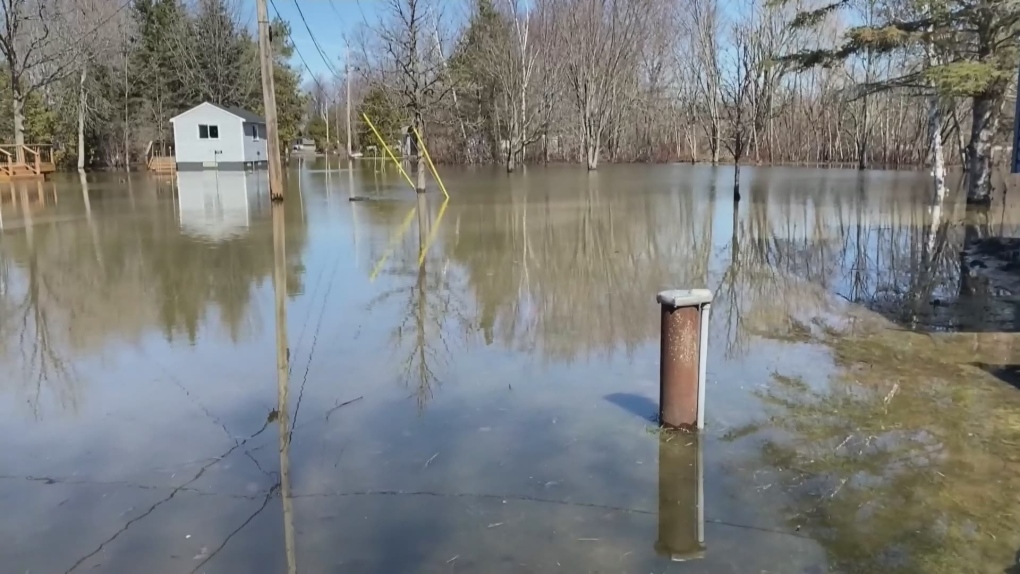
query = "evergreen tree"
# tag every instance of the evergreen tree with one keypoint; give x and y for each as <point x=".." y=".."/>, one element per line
<point x="222" y="44"/>
<point x="978" y="54"/>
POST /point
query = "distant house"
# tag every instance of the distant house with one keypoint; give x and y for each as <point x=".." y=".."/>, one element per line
<point x="210" y="136"/>
<point x="303" y="144"/>
<point x="408" y="145"/>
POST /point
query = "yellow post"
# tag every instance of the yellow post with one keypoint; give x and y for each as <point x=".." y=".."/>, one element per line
<point x="432" y="233"/>
<point x="428" y="158"/>
<point x="387" y="148"/>
<point x="404" y="226"/>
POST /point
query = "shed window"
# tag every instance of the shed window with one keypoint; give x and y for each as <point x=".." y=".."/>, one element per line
<point x="208" y="132"/>
<point x="255" y="132"/>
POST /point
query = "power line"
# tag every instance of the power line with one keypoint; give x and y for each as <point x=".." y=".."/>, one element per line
<point x="314" y="41"/>
<point x="298" y="51"/>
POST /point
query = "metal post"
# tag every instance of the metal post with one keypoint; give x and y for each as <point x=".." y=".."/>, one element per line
<point x="681" y="534"/>
<point x="682" y="357"/>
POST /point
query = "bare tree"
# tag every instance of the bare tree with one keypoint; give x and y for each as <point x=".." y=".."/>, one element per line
<point x="736" y="94"/>
<point x="410" y="63"/>
<point x="95" y="22"/>
<point x="600" y="40"/>
<point x="702" y="29"/>
<point x="38" y="48"/>
<point x="509" y="55"/>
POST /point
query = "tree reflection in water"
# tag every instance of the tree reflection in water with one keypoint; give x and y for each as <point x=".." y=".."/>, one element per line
<point x="899" y="461"/>
<point x="67" y="279"/>
<point x="431" y="307"/>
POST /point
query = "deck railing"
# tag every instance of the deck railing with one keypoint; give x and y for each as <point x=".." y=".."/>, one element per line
<point x="6" y="162"/>
<point x="32" y="156"/>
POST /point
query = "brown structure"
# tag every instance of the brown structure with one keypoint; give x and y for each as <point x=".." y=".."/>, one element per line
<point x="683" y="350"/>
<point x="160" y="158"/>
<point x="33" y="161"/>
<point x="269" y="103"/>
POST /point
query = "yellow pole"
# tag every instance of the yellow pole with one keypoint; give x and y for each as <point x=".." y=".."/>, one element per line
<point x="428" y="158"/>
<point x="432" y="234"/>
<point x="387" y="148"/>
<point x="404" y="226"/>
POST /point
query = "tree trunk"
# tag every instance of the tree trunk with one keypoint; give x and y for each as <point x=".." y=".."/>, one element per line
<point x="736" y="181"/>
<point x="979" y="188"/>
<point x="938" y="170"/>
<point x="81" y="120"/>
<point x="591" y="150"/>
<point x="962" y="147"/>
<point x="692" y="139"/>
<point x="510" y="156"/>
<point x="19" y="120"/>
<point x="419" y="185"/>
<point x="127" y="135"/>
<point x="714" y="143"/>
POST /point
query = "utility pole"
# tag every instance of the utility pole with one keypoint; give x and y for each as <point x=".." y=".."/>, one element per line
<point x="347" y="72"/>
<point x="325" y="118"/>
<point x="269" y="102"/>
<point x="127" y="140"/>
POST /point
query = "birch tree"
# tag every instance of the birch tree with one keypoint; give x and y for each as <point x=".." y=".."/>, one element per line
<point x="980" y="41"/>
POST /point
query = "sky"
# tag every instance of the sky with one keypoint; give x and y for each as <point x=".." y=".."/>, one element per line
<point x="330" y="21"/>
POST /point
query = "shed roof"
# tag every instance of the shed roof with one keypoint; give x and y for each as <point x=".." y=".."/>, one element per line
<point x="245" y="115"/>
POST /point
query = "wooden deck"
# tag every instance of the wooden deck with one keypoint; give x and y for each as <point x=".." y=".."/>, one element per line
<point x="33" y="161"/>
<point x="160" y="159"/>
<point x="162" y="164"/>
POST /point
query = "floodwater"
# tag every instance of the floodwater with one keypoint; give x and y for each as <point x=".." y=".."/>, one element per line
<point x="472" y="383"/>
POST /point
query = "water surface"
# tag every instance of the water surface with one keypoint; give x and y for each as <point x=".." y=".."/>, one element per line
<point x="473" y="383"/>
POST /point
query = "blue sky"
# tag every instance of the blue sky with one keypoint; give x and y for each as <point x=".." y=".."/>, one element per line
<point x="333" y="21"/>
<point x="329" y="20"/>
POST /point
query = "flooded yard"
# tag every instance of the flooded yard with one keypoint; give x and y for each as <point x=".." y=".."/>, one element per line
<point x="472" y="384"/>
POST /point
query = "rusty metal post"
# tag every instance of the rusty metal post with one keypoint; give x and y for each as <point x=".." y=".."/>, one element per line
<point x="682" y="354"/>
<point x="681" y="534"/>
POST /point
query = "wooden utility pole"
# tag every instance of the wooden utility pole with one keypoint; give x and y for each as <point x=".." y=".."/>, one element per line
<point x="127" y="139"/>
<point x="325" y="118"/>
<point x="269" y="102"/>
<point x="347" y="72"/>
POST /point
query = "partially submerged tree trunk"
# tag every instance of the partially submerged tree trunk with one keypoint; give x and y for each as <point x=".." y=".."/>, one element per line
<point x="714" y="143"/>
<point x="419" y="185"/>
<point x="938" y="164"/>
<point x="738" y="152"/>
<point x="592" y="143"/>
<point x="938" y="170"/>
<point x="81" y="119"/>
<point x="979" y="189"/>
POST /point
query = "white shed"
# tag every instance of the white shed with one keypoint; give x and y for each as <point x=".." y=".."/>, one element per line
<point x="210" y="136"/>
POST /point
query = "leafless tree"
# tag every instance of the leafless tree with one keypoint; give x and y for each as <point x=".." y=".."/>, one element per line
<point x="408" y="56"/>
<point x="39" y="47"/>
<point x="600" y="40"/>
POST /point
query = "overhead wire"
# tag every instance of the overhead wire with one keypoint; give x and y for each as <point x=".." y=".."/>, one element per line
<point x="298" y="51"/>
<point x="315" y="42"/>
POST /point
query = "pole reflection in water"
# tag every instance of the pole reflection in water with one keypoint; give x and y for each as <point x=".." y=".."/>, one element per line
<point x="282" y="360"/>
<point x="681" y="497"/>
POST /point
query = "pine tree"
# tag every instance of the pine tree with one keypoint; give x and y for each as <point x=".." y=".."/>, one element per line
<point x="978" y="53"/>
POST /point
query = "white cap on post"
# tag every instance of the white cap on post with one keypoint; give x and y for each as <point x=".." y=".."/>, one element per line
<point x="677" y="298"/>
